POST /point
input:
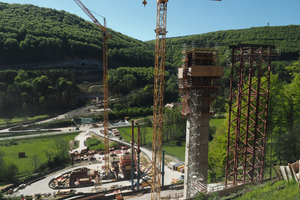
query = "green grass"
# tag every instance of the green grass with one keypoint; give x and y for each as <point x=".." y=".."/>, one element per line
<point x="126" y="133"/>
<point x="170" y="148"/>
<point x="216" y="121"/>
<point x="31" y="147"/>
<point x="5" y="135"/>
<point x="139" y="118"/>
<point x="177" y="151"/>
<point x="272" y="192"/>
<point x="19" y="120"/>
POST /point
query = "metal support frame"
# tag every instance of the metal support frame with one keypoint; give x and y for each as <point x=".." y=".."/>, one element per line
<point x="138" y="161"/>
<point x="105" y="104"/>
<point x="132" y="154"/>
<point x="163" y="168"/>
<point x="248" y="111"/>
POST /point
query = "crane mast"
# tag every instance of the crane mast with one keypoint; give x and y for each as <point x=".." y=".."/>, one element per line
<point x="105" y="82"/>
<point x="159" y="73"/>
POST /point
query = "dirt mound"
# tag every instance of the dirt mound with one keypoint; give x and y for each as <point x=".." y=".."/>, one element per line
<point x="84" y="111"/>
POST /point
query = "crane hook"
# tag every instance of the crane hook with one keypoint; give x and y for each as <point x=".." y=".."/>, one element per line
<point x="144" y="2"/>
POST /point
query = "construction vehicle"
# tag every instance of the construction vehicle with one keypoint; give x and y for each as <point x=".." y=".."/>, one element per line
<point x="105" y="82"/>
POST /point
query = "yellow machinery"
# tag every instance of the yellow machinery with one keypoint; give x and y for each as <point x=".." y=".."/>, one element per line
<point x="158" y="104"/>
<point x="105" y="82"/>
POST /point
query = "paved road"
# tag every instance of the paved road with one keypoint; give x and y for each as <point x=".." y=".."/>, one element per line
<point x="42" y="185"/>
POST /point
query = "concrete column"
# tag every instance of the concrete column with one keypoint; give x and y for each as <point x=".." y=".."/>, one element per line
<point x="202" y="158"/>
<point x="204" y="137"/>
<point x="186" y="172"/>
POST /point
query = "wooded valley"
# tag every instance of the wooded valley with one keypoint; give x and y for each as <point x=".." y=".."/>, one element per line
<point x="29" y="34"/>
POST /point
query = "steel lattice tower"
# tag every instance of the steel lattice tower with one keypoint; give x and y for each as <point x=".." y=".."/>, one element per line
<point x="248" y="111"/>
<point x="158" y="104"/>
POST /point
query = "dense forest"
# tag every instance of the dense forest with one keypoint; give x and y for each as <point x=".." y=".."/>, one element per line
<point x="283" y="37"/>
<point x="25" y="93"/>
<point x="30" y="34"/>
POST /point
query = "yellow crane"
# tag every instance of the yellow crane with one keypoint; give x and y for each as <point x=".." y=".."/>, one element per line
<point x="159" y="73"/>
<point x="158" y="104"/>
<point x="105" y="82"/>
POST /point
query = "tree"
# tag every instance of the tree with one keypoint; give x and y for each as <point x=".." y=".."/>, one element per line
<point x="35" y="161"/>
<point x="217" y="153"/>
<point x="143" y="132"/>
<point x="2" y="166"/>
<point x="147" y="122"/>
<point x="61" y="148"/>
<point x="7" y="121"/>
<point x="41" y="84"/>
<point x="11" y="170"/>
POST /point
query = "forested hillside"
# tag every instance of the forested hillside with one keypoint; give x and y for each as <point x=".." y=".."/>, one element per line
<point x="26" y="93"/>
<point x="284" y="37"/>
<point x="30" y="34"/>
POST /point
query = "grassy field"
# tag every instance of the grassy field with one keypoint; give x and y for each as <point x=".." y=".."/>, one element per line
<point x="280" y="190"/>
<point x="126" y="133"/>
<point x="5" y="135"/>
<point x="31" y="147"/>
<point x="170" y="148"/>
<point x="19" y="120"/>
<point x="177" y="151"/>
<point x="216" y="121"/>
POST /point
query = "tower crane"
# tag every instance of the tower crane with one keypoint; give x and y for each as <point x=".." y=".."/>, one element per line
<point x="159" y="73"/>
<point x="105" y="81"/>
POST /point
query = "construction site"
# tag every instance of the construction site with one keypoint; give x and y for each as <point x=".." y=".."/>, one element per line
<point x="198" y="78"/>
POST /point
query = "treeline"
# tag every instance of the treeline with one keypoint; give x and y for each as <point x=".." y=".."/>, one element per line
<point x="132" y="91"/>
<point x="174" y="126"/>
<point x="284" y="37"/>
<point x="30" y="34"/>
<point x="26" y="93"/>
<point x="284" y="121"/>
<point x="33" y="34"/>
<point x="133" y="80"/>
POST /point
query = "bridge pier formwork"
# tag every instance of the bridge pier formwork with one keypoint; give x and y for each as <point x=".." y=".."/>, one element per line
<point x="197" y="85"/>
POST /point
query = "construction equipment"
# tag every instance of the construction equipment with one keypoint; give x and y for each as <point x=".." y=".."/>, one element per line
<point x="105" y="82"/>
<point x="158" y="104"/>
<point x="248" y="112"/>
<point x="159" y="73"/>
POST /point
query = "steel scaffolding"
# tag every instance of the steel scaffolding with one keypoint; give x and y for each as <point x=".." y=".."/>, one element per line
<point x="248" y="111"/>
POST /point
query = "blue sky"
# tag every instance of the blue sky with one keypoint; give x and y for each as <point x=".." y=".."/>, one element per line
<point x="184" y="17"/>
